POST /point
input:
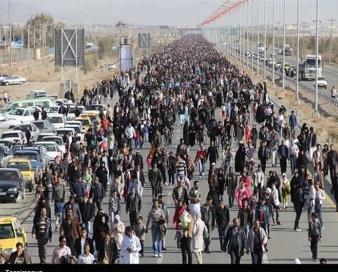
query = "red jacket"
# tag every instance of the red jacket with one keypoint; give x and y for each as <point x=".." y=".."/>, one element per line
<point x="178" y="212"/>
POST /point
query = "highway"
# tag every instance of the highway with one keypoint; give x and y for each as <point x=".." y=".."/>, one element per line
<point x="306" y="87"/>
<point x="284" y="247"/>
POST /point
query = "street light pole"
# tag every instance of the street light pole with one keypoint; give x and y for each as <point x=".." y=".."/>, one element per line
<point x="298" y="53"/>
<point x="317" y="54"/>
<point x="258" y="37"/>
<point x="284" y="33"/>
<point x="264" y="39"/>
<point x="252" y="38"/>
<point x="247" y="33"/>
<point x="273" y="41"/>
<point x="331" y="31"/>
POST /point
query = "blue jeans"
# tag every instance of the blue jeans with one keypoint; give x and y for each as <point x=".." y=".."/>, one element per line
<point x="156" y="235"/>
<point x="201" y="167"/>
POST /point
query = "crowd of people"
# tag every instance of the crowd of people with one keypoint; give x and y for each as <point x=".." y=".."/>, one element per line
<point x="218" y="106"/>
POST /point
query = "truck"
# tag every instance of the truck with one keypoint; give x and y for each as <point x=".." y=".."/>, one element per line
<point x="307" y="67"/>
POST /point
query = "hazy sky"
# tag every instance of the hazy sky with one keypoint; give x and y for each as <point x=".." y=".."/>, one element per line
<point x="149" y="12"/>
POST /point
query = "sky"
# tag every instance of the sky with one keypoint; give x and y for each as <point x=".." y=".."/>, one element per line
<point x="151" y="12"/>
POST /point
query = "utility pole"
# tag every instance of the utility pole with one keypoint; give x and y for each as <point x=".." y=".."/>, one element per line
<point x="258" y="37"/>
<point x="247" y="33"/>
<point x="298" y="47"/>
<point x="265" y="39"/>
<point x="28" y="45"/>
<point x="331" y="32"/>
<point x="284" y="33"/>
<point x="317" y="54"/>
<point x="252" y="38"/>
<point x="273" y="41"/>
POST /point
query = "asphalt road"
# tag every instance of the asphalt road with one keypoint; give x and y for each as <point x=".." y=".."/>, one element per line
<point x="329" y="71"/>
<point x="284" y="246"/>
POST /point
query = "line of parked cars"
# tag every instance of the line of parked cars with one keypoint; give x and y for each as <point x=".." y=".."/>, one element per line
<point x="22" y="163"/>
<point x="6" y="80"/>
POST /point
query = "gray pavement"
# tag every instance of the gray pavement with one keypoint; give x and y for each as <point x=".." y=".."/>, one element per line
<point x="284" y="246"/>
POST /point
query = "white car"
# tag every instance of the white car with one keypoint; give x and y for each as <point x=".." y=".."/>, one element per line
<point x="34" y="130"/>
<point x="43" y="135"/>
<point x="14" y="135"/>
<point x="13" y="80"/>
<point x="71" y="112"/>
<point x="3" y="77"/>
<point x="21" y="114"/>
<point x="112" y="67"/>
<point x="52" y="149"/>
<point x="77" y="129"/>
<point x="56" y="139"/>
<point x="37" y="94"/>
<point x="57" y="120"/>
<point x="322" y="82"/>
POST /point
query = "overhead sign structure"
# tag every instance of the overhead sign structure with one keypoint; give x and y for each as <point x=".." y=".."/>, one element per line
<point x="144" y="40"/>
<point x="126" y="57"/>
<point x="69" y="47"/>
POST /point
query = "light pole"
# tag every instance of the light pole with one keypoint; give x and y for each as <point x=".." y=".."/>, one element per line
<point x="247" y="33"/>
<point x="257" y="37"/>
<point x="284" y="32"/>
<point x="331" y="30"/>
<point x="273" y="41"/>
<point x="317" y="54"/>
<point x="252" y="38"/>
<point x="264" y="39"/>
<point x="298" y="48"/>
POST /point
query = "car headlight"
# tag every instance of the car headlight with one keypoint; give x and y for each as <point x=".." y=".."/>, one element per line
<point x="12" y="190"/>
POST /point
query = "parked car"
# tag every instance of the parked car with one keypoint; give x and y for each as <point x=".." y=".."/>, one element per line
<point x="322" y="82"/>
<point x="56" y="139"/>
<point x="26" y="169"/>
<point x="11" y="233"/>
<point x="37" y="94"/>
<point x="52" y="149"/>
<point x="112" y="67"/>
<point x="3" y="77"/>
<point x="13" y="80"/>
<point x="12" y="185"/>
<point x="21" y="114"/>
<point x="13" y="135"/>
<point x="34" y="130"/>
<point x="57" y="120"/>
<point x="43" y="125"/>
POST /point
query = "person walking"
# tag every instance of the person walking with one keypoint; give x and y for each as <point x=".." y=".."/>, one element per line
<point x="156" y="216"/>
<point x="315" y="235"/>
<point x="298" y="205"/>
<point x="283" y="154"/>
<point x="208" y="216"/>
<point x="320" y="196"/>
<point x="257" y="243"/>
<point x="82" y="241"/>
<point x="61" y="250"/>
<point x="42" y="231"/>
<point x="200" y="232"/>
<point x="155" y="179"/>
<point x="235" y="242"/>
<point x="86" y="257"/>
<point x="222" y="221"/>
<point x="20" y="256"/>
<point x="130" y="247"/>
<point x="231" y="185"/>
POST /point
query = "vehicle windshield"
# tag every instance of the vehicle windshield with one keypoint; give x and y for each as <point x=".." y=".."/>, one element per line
<point x="30" y="156"/>
<point x="6" y="231"/>
<point x="55" y="119"/>
<point x="77" y="129"/>
<point x="8" y="176"/>
<point x="95" y="107"/>
<point x="9" y="135"/>
<point x="18" y="112"/>
<point x="22" y="166"/>
<point x="49" y="147"/>
<point x="53" y="139"/>
<point x="85" y="122"/>
<point x="311" y="63"/>
<point x="321" y="78"/>
<point x="39" y="124"/>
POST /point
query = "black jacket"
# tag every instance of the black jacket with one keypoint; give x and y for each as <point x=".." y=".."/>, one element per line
<point x="222" y="216"/>
<point x="77" y="246"/>
<point x="241" y="241"/>
<point x="87" y="211"/>
<point x="184" y="196"/>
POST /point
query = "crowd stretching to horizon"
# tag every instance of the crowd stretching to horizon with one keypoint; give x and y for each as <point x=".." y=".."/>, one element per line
<point x="188" y="84"/>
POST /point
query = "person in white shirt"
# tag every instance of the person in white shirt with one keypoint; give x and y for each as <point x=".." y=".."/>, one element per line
<point x="259" y="179"/>
<point x="293" y="155"/>
<point x="86" y="257"/>
<point x="130" y="248"/>
<point x="320" y="196"/>
<point x="61" y="250"/>
<point x="130" y="133"/>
